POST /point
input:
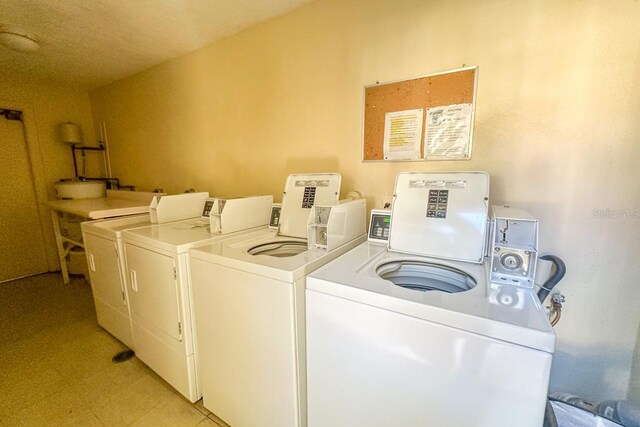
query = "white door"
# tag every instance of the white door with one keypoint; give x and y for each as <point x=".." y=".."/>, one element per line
<point x="21" y="237"/>
<point x="153" y="291"/>
<point x="108" y="287"/>
<point x="104" y="269"/>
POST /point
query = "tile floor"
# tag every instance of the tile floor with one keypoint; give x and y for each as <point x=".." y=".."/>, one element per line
<point x="56" y="369"/>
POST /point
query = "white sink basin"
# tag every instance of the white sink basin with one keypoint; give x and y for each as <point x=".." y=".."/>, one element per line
<point x="80" y="189"/>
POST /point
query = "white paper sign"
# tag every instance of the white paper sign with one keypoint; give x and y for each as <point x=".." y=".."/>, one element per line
<point x="448" y="132"/>
<point x="403" y="135"/>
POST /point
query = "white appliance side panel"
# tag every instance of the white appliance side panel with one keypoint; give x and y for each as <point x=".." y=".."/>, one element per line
<point x="153" y="290"/>
<point x="191" y="339"/>
<point x="301" y="347"/>
<point x="115" y="322"/>
<point x="176" y="368"/>
<point x="109" y="295"/>
<point x="370" y="367"/>
<point x="246" y="346"/>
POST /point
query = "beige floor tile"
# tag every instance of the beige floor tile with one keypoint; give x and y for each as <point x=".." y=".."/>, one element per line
<point x="111" y="381"/>
<point x="26" y="388"/>
<point x="85" y="418"/>
<point x="57" y="369"/>
<point x="208" y="422"/>
<point x="79" y="361"/>
<point x="199" y="405"/>
<point x="217" y="420"/>
<point x="131" y="403"/>
<point x="40" y="303"/>
<point x="28" y="352"/>
<point x="63" y="406"/>
<point x="174" y="412"/>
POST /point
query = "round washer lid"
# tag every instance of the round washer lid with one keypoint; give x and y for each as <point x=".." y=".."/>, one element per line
<point x="441" y="215"/>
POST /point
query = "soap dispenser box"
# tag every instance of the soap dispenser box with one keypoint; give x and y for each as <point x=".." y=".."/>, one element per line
<point x="514" y="246"/>
<point x="331" y="226"/>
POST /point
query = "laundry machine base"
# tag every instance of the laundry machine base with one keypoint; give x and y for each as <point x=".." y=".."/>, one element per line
<point x="179" y="370"/>
<point x="369" y="366"/>
<point x="115" y="322"/>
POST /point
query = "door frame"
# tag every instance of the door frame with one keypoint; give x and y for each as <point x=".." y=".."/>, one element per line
<point x="36" y="165"/>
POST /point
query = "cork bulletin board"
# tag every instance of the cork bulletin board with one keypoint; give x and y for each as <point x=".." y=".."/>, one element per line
<point x="426" y="118"/>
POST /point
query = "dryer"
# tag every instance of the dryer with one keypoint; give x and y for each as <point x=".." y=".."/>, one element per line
<point x="249" y="303"/>
<point x="105" y="259"/>
<point x="415" y="332"/>
<point x="102" y="240"/>
<point x="159" y="289"/>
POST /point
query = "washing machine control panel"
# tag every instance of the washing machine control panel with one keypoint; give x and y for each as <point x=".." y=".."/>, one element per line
<point x="274" y="218"/>
<point x="379" y="225"/>
<point x="206" y="210"/>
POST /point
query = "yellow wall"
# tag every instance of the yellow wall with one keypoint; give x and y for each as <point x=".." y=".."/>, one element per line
<point x="47" y="106"/>
<point x="556" y="127"/>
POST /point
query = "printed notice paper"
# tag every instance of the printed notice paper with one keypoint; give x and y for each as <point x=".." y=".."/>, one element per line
<point x="403" y="135"/>
<point x="448" y="132"/>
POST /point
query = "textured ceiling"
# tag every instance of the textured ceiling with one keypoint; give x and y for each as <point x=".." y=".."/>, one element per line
<point x="90" y="43"/>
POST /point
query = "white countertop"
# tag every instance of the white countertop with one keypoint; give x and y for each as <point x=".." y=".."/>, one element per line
<point x="117" y="203"/>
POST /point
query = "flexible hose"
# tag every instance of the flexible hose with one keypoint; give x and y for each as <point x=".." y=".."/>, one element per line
<point x="552" y="281"/>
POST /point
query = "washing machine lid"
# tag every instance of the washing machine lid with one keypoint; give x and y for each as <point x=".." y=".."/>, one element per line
<point x="441" y="215"/>
<point x="301" y="192"/>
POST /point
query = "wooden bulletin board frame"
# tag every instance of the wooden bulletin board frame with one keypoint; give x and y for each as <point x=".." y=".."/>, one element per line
<point x="457" y="86"/>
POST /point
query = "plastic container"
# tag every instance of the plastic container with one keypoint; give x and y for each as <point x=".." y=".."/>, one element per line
<point x="80" y="189"/>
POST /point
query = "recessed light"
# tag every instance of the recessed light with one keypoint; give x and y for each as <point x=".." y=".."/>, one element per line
<point x="17" y="40"/>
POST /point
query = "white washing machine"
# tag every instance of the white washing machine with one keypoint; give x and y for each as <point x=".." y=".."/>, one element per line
<point x="159" y="291"/>
<point x="104" y="251"/>
<point x="249" y="304"/>
<point x="414" y="332"/>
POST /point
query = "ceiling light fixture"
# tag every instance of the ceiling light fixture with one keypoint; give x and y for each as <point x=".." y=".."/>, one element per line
<point x="17" y="40"/>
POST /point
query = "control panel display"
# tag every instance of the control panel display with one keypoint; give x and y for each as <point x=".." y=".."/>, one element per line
<point x="379" y="226"/>
<point x="437" y="205"/>
<point x="309" y="197"/>
<point x="274" y="220"/>
<point x="208" y="205"/>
